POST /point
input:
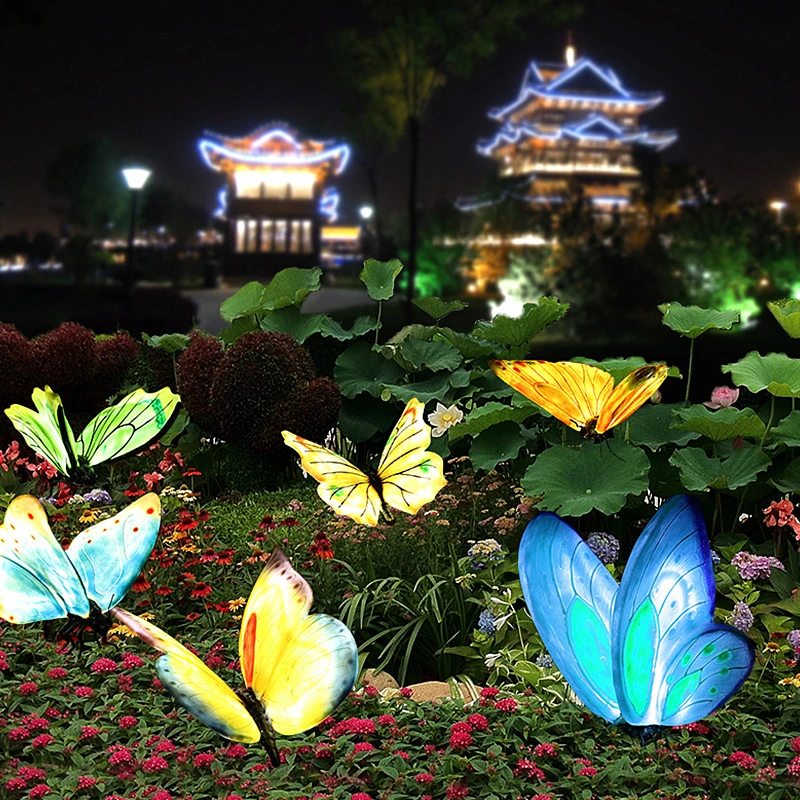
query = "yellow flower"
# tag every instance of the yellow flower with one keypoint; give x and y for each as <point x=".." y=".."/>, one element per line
<point x="89" y="516"/>
<point x="771" y="647"/>
<point x="237" y="603"/>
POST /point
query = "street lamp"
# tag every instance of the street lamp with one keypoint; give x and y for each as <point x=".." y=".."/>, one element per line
<point x="366" y="212"/>
<point x="136" y="178"/>
<point x="778" y="207"/>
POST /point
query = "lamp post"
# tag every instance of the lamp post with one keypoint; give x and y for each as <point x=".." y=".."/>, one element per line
<point x="136" y="178"/>
<point x="778" y="206"/>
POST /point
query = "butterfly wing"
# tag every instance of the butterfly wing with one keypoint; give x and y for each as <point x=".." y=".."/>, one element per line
<point x="127" y="426"/>
<point x="410" y="475"/>
<point x="343" y="486"/>
<point x="630" y="394"/>
<point x="672" y="664"/>
<point x="573" y="393"/>
<point x="193" y="685"/>
<point x="37" y="580"/>
<point x="41" y="429"/>
<point x="110" y="555"/>
<point x="570" y="595"/>
<point x="300" y="667"/>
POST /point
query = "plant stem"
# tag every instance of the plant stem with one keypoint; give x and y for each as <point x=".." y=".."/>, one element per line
<point x="689" y="373"/>
<point x="378" y="325"/>
<point x="769" y="422"/>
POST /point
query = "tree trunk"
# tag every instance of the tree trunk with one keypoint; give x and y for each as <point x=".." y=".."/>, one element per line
<point x="413" y="232"/>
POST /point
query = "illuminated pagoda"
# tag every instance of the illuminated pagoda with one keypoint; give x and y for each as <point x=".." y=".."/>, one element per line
<point x="275" y="196"/>
<point x="573" y="125"/>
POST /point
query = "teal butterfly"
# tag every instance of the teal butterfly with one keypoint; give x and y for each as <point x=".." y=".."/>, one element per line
<point x="117" y="431"/>
<point x="39" y="581"/>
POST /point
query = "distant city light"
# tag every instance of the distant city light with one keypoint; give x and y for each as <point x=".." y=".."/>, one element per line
<point x="366" y="212"/>
<point x="136" y="177"/>
<point x="778" y="206"/>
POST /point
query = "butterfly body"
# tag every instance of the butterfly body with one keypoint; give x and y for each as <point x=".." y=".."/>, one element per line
<point x="296" y="667"/>
<point x="39" y="581"/>
<point x="646" y="651"/>
<point x="580" y="395"/>
<point x="407" y="475"/>
<point x="122" y="429"/>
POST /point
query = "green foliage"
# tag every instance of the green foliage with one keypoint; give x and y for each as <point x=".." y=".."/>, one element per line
<point x="492" y="413"/>
<point x="787" y="431"/>
<point x="652" y="427"/>
<point x="301" y="326"/>
<point x="620" y="368"/>
<point x="362" y="369"/>
<point x="700" y="472"/>
<point x="787" y="312"/>
<point x="693" y="321"/>
<point x="719" y="425"/>
<point x="594" y="476"/>
<point x="516" y="333"/>
<point x="499" y="443"/>
<point x="379" y="277"/>
<point x="289" y="287"/>
<point x="437" y="308"/>
<point x="170" y="343"/>
<point x="775" y="372"/>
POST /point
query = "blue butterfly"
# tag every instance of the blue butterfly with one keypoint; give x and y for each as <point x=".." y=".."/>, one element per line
<point x="646" y="651"/>
<point x="39" y="581"/>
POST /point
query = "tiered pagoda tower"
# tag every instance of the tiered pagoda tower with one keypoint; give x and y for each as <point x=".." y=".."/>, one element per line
<point x="275" y="194"/>
<point x="573" y="125"/>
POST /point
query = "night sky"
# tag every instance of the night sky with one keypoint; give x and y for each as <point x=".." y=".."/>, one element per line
<point x="154" y="75"/>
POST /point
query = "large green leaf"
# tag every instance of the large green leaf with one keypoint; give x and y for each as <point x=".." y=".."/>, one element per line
<point x="788" y="479"/>
<point x="720" y="425"/>
<point x="301" y="326"/>
<point x="518" y="331"/>
<point x="169" y="342"/>
<point x="620" y="368"/>
<point x="775" y="372"/>
<point x="497" y="444"/>
<point x="290" y="287"/>
<point x="434" y="388"/>
<point x="700" y="471"/>
<point x="787" y="431"/>
<point x="493" y="413"/>
<point x="379" y="277"/>
<point x="438" y="308"/>
<point x="361" y="369"/>
<point x="692" y="321"/>
<point x="434" y="356"/>
<point x="237" y="328"/>
<point x="360" y="419"/>
<point x="787" y="312"/>
<point x="247" y="302"/>
<point x="651" y="426"/>
<point x="594" y="476"/>
<point x="467" y="345"/>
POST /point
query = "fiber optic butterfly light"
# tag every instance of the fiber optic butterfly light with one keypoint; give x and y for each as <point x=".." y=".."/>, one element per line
<point x="39" y="581"/>
<point x="297" y="667"/>
<point x="646" y="651"/>
<point x="124" y="428"/>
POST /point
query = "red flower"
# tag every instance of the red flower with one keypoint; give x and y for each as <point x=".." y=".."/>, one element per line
<point x="27" y="688"/>
<point x="456" y="791"/>
<point x="152" y="479"/>
<point x="192" y="617"/>
<point x="744" y="760"/>
<point x="104" y="665"/>
<point x="152" y="764"/>
<point x="267" y="523"/>
<point x="141" y="584"/>
<point x="363" y="747"/>
<point x="89" y="732"/>
<point x="386" y="719"/>
<point x="164" y="590"/>
<point x="56" y="673"/>
<point x="360" y="796"/>
<point x="289" y="522"/>
<point x="85" y="782"/>
<point x="587" y="771"/>
<point x="201" y="590"/>
<point x="321" y="547"/>
<point x="128" y="722"/>
<point x="204" y="760"/>
<point x="40" y="790"/>
<point x="236" y="751"/>
<point x="170" y="460"/>
<point x="226" y="556"/>
<point x="545" y="749"/>
<point x="459" y="740"/>
<point x="42" y="740"/>
<point x="84" y="691"/>
<point x="191" y="472"/>
<point x="795" y="744"/>
<point x="794" y="767"/>
<point x="424" y="777"/>
<point x="209" y="556"/>
<point x="406" y="691"/>
<point x="507" y="704"/>
<point x="529" y="769"/>
<point x="490" y="691"/>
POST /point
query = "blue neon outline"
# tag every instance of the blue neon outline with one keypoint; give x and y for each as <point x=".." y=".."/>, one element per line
<point x="221" y="210"/>
<point x="329" y="204"/>
<point x="578" y="67"/>
<point x="340" y="152"/>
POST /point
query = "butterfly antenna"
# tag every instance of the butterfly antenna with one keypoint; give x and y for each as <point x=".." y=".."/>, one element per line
<point x="611" y="450"/>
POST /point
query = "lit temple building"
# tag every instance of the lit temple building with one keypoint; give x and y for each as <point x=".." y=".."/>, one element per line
<point x="275" y="197"/>
<point x="572" y="125"/>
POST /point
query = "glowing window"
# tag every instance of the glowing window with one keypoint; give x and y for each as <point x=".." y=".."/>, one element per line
<point x="308" y="241"/>
<point x="240" y="235"/>
<point x="280" y="235"/>
<point x="294" y="239"/>
<point x="266" y="235"/>
<point x="248" y="183"/>
<point x="252" y="240"/>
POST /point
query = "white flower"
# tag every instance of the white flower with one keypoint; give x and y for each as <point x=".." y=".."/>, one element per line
<point x="444" y="418"/>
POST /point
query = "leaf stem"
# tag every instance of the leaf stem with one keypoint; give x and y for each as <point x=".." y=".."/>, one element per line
<point x="769" y="422"/>
<point x="689" y="373"/>
<point x="378" y="322"/>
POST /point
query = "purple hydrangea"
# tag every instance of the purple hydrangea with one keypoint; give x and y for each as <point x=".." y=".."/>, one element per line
<point x="752" y="567"/>
<point x="604" y="546"/>
<point x="100" y="496"/>
<point x="742" y="618"/>
<point x="793" y="637"/>
<point x="487" y="622"/>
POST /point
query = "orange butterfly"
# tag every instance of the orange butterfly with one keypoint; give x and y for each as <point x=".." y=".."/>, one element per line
<point x="581" y="396"/>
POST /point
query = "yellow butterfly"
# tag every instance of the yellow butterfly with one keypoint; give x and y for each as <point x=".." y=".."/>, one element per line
<point x="581" y="396"/>
<point x="407" y="477"/>
<point x="297" y="667"/>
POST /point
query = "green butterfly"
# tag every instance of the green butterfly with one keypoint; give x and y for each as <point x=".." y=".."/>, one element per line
<point x="116" y="431"/>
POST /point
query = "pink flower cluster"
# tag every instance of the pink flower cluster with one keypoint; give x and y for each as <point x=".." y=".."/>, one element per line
<point x="780" y="513"/>
<point x="744" y="760"/>
<point x="752" y="567"/>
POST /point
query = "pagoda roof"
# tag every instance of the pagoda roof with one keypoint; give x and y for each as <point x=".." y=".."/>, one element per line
<point x="593" y="127"/>
<point x="272" y="145"/>
<point x="583" y="81"/>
